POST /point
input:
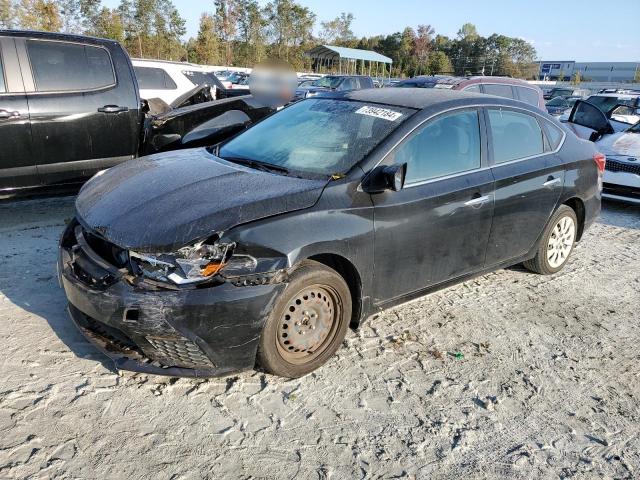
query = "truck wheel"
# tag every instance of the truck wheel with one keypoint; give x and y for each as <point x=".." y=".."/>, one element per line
<point x="556" y="244"/>
<point x="308" y="323"/>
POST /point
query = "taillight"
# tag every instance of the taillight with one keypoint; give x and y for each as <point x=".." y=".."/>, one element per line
<point x="601" y="161"/>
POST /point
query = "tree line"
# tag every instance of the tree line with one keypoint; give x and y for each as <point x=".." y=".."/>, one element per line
<point x="244" y="33"/>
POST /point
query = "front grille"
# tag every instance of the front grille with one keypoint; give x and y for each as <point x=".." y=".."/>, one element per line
<point x="617" y="166"/>
<point x="109" y="252"/>
<point x="182" y="352"/>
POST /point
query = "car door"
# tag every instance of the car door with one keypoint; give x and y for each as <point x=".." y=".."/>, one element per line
<point x="84" y="112"/>
<point x="529" y="178"/>
<point x="436" y="228"/>
<point x="17" y="166"/>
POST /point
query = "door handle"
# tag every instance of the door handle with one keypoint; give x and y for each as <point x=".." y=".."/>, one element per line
<point x="477" y="201"/>
<point x="5" y="114"/>
<point x="113" y="109"/>
<point x="551" y="182"/>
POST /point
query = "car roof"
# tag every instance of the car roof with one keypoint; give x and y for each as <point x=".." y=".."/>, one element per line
<point x="616" y="95"/>
<point x="421" y="98"/>
<point x="68" y="37"/>
<point x="454" y="80"/>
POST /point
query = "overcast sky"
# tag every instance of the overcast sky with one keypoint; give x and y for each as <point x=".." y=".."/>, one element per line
<point x="586" y="30"/>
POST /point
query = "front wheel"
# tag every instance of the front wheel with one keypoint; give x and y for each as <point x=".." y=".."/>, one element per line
<point x="556" y="244"/>
<point x="308" y="323"/>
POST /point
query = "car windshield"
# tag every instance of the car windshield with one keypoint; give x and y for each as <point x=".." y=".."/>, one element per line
<point x="607" y="103"/>
<point x="558" y="102"/>
<point x="235" y="78"/>
<point x="635" y="128"/>
<point x="327" y="82"/>
<point x="410" y="84"/>
<point x="560" y="91"/>
<point x="317" y="136"/>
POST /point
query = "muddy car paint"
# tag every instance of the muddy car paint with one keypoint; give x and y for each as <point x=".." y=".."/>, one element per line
<point x="340" y="228"/>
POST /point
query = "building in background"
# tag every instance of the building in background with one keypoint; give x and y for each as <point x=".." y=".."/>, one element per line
<point x="589" y="71"/>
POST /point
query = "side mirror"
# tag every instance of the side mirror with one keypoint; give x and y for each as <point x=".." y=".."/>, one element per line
<point x="382" y="178"/>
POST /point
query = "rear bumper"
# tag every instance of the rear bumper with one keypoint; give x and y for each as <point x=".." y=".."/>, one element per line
<point x="203" y="332"/>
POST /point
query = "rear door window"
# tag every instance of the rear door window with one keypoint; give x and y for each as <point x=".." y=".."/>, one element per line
<point x="498" y="90"/>
<point x="150" y="78"/>
<point x="445" y="146"/>
<point x="515" y="135"/>
<point x="60" y="66"/>
<point x="3" y="86"/>
<point x="527" y="95"/>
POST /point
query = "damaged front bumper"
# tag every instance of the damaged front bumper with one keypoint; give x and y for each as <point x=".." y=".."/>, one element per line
<point x="194" y="332"/>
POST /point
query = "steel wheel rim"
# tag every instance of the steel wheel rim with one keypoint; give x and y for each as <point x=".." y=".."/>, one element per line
<point x="560" y="241"/>
<point x="308" y="323"/>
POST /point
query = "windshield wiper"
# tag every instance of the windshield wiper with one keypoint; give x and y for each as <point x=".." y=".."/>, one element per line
<point x="258" y="165"/>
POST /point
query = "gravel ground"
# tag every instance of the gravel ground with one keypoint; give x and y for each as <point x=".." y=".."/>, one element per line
<point x="510" y="375"/>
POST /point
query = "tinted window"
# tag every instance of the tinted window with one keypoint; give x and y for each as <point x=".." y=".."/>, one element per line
<point x="450" y="144"/>
<point x="554" y="135"/>
<point x="528" y="95"/>
<point x="498" y="90"/>
<point x="515" y="135"/>
<point x="317" y="136"/>
<point x="415" y="85"/>
<point x="607" y="103"/>
<point x="59" y="66"/>
<point x="154" y="79"/>
<point x="473" y="88"/>
<point x="3" y="87"/>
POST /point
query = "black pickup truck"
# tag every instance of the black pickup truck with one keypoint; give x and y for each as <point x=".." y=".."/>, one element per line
<point x="70" y="107"/>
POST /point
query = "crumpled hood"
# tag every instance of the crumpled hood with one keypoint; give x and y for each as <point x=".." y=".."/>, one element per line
<point x="163" y="202"/>
<point x="625" y="144"/>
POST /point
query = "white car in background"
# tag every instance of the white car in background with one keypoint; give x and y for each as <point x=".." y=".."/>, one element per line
<point x="167" y="80"/>
<point x="620" y="143"/>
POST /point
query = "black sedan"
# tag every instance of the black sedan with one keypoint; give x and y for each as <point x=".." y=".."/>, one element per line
<point x="265" y="249"/>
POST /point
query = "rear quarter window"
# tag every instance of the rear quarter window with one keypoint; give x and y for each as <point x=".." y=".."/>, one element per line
<point x="554" y="135"/>
<point x="498" y="90"/>
<point x="60" y="66"/>
<point x="150" y="78"/>
<point x="527" y="95"/>
<point x="515" y="135"/>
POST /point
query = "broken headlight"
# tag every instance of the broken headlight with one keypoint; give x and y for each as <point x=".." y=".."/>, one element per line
<point x="191" y="265"/>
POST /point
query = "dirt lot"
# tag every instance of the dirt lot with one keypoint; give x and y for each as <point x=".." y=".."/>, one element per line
<point x="510" y="375"/>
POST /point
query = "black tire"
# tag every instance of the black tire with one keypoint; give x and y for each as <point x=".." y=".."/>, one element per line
<point x="541" y="263"/>
<point x="293" y="342"/>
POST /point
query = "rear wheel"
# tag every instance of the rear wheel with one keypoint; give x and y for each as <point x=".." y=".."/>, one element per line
<point x="556" y="244"/>
<point x="308" y="323"/>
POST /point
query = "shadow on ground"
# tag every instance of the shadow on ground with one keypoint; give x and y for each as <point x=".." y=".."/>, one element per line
<point x="29" y="233"/>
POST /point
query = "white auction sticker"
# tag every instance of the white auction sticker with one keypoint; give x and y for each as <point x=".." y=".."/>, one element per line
<point x="377" y="112"/>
